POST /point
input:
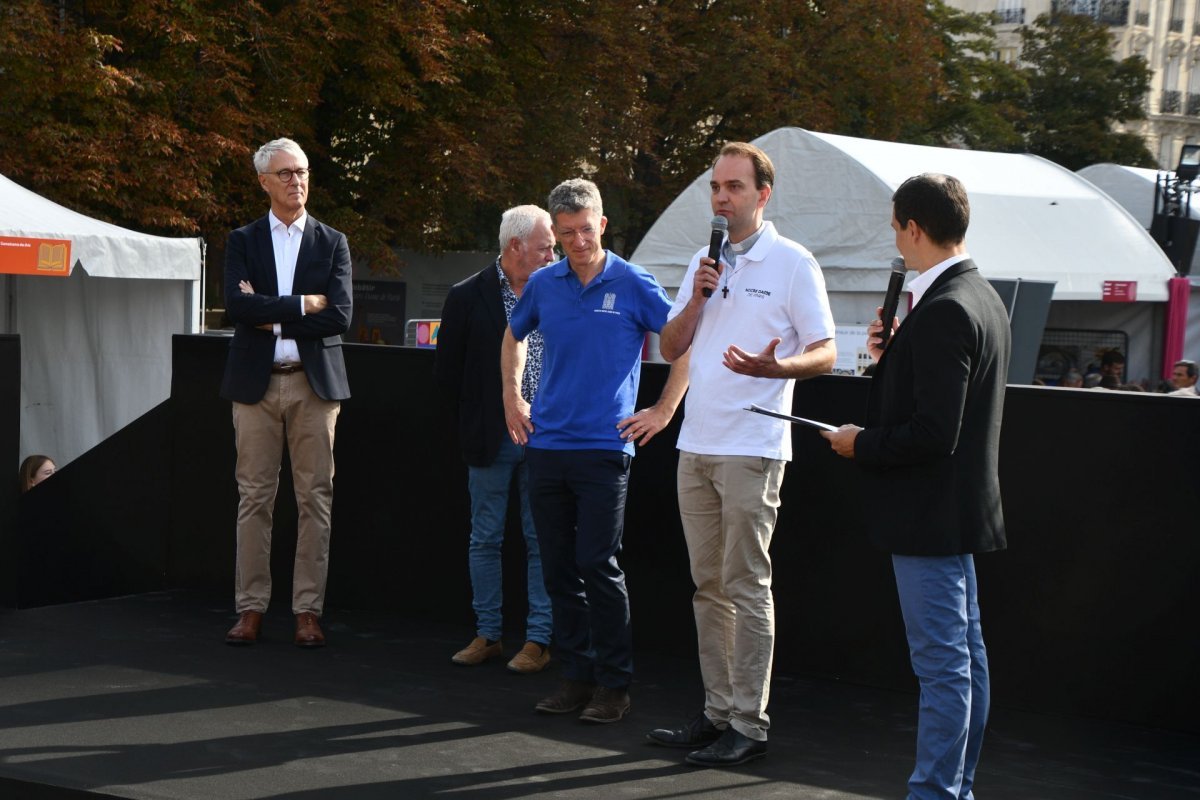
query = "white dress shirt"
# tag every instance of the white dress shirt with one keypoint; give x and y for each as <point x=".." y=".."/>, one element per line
<point x="285" y="241"/>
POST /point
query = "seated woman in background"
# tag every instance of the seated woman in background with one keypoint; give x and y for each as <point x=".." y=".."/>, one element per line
<point x="34" y="470"/>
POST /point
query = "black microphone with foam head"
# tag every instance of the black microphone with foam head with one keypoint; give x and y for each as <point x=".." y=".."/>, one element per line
<point x="891" y="300"/>
<point x="719" y="226"/>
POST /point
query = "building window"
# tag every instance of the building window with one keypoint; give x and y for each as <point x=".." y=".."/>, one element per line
<point x="1177" y="11"/>
<point x="1141" y="13"/>
<point x="1010" y="12"/>
<point x="1110" y="12"/>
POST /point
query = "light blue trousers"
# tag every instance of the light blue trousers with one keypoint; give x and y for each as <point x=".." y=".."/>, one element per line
<point x="489" y="511"/>
<point x="939" y="601"/>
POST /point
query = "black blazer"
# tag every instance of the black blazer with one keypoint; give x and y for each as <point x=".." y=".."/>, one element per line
<point x="467" y="366"/>
<point x="932" y="437"/>
<point x="322" y="267"/>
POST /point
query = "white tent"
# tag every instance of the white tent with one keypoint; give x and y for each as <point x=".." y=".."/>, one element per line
<point x="95" y="346"/>
<point x="1030" y="219"/>
<point x="1134" y="188"/>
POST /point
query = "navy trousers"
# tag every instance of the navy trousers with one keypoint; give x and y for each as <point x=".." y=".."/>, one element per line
<point x="578" y="503"/>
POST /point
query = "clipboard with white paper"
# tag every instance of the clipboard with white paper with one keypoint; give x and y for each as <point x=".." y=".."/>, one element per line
<point x="812" y="423"/>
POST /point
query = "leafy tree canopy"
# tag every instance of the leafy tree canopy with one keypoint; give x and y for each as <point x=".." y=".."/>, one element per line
<point x="424" y="119"/>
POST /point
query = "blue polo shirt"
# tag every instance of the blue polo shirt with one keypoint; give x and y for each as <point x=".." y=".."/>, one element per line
<point x="592" y="350"/>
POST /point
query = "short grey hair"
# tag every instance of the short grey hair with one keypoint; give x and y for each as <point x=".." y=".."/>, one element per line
<point x="262" y="158"/>
<point x="518" y="223"/>
<point x="576" y="194"/>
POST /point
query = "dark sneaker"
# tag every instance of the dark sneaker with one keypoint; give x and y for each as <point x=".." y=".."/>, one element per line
<point x="698" y="732"/>
<point x="571" y="696"/>
<point x="730" y="750"/>
<point x="608" y="705"/>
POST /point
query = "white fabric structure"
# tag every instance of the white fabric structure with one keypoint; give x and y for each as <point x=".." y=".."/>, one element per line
<point x="1030" y="218"/>
<point x="1134" y="188"/>
<point x="96" y="346"/>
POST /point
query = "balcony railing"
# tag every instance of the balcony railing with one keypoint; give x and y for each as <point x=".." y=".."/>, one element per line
<point x="1109" y="12"/>
<point x="1169" y="103"/>
<point x="1193" y="105"/>
<point x="1010" y="16"/>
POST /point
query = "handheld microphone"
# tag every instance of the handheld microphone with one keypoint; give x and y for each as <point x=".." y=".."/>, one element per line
<point x="719" y="226"/>
<point x="891" y="300"/>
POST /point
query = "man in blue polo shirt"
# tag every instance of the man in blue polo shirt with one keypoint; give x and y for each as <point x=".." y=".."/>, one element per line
<point x="593" y="310"/>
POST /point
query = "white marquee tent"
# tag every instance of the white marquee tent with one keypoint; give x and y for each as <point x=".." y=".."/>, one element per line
<point x="1030" y="219"/>
<point x="1134" y="188"/>
<point x="95" y="346"/>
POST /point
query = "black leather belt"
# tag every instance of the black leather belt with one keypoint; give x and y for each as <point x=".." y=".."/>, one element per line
<point x="286" y="369"/>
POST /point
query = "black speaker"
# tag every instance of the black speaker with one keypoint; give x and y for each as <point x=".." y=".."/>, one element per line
<point x="1177" y="237"/>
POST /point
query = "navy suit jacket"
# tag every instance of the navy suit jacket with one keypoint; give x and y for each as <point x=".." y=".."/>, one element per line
<point x="322" y="267"/>
<point x="932" y="437"/>
<point x="468" y="364"/>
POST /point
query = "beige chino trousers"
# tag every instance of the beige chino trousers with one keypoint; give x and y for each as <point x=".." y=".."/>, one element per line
<point x="728" y="506"/>
<point x="290" y="412"/>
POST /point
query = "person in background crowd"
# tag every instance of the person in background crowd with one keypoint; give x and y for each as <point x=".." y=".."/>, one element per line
<point x="1183" y="378"/>
<point x="34" y="470"/>
<point x="1112" y="363"/>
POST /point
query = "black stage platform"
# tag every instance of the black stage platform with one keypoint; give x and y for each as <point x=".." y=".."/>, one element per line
<point x="137" y="697"/>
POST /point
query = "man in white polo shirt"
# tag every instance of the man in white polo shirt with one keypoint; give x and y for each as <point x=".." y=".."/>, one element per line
<point x="766" y="324"/>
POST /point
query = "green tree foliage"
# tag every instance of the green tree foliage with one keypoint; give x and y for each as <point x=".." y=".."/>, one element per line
<point x="424" y="119"/>
<point x="1077" y="90"/>
<point x="977" y="100"/>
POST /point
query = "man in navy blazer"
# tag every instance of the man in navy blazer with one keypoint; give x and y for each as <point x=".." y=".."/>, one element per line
<point x="931" y="448"/>
<point x="474" y="319"/>
<point x="288" y="292"/>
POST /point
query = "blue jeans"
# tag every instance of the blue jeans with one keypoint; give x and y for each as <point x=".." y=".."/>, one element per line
<point x="578" y="499"/>
<point x="489" y="510"/>
<point x="939" y="601"/>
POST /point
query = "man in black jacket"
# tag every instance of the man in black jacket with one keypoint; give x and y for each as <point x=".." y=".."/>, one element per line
<point x="288" y="292"/>
<point x="474" y="318"/>
<point x="930" y="449"/>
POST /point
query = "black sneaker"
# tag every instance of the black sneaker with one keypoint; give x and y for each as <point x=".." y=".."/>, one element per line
<point x="698" y="732"/>
<point x="607" y="705"/>
<point x="571" y="696"/>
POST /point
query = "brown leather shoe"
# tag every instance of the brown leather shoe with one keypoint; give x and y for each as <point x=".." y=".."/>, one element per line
<point x="477" y="652"/>
<point x="571" y="696"/>
<point x="246" y="630"/>
<point x="308" y="632"/>
<point x="607" y="705"/>
<point x="532" y="658"/>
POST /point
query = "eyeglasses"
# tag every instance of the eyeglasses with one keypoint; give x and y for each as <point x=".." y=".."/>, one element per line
<point x="286" y="175"/>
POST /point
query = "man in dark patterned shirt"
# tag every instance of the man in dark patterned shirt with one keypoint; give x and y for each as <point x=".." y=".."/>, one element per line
<point x="474" y="319"/>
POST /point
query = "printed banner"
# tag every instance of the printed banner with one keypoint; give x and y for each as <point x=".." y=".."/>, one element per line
<point x="21" y="256"/>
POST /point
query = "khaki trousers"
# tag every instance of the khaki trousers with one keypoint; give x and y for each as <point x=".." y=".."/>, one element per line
<point x="728" y="506"/>
<point x="290" y="412"/>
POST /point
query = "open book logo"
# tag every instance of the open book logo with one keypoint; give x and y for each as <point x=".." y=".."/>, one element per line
<point x="52" y="258"/>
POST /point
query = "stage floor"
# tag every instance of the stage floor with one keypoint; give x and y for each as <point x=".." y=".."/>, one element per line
<point x="138" y="697"/>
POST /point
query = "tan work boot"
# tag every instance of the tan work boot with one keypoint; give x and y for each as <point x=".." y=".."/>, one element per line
<point x="532" y="658"/>
<point x="477" y="652"/>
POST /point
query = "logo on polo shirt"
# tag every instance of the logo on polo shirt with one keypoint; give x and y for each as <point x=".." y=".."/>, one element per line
<point x="761" y="294"/>
<point x="608" y="305"/>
